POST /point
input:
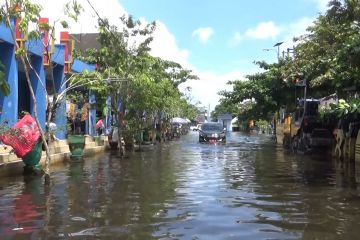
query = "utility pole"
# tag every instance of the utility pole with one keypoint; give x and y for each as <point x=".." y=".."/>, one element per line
<point x="209" y="112"/>
<point x="278" y="49"/>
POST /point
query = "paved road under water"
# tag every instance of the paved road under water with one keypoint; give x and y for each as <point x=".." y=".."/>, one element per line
<point x="248" y="188"/>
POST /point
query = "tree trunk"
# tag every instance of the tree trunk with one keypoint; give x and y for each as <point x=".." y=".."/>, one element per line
<point x="24" y="60"/>
<point x="43" y="138"/>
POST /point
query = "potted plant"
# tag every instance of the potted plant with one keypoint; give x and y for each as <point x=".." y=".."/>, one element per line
<point x="77" y="116"/>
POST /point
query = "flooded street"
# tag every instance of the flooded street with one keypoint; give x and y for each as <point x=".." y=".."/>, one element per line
<point x="248" y="188"/>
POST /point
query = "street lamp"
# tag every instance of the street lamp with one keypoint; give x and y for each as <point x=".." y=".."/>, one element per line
<point x="278" y="48"/>
<point x="277" y="51"/>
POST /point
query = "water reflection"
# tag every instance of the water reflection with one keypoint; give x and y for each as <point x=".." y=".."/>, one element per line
<point x="22" y="209"/>
<point x="248" y="188"/>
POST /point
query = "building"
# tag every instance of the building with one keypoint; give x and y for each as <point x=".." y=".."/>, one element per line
<point x="84" y="41"/>
<point x="225" y="120"/>
<point x="62" y="67"/>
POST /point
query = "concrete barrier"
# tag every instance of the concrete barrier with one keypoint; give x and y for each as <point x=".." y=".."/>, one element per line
<point x="11" y="165"/>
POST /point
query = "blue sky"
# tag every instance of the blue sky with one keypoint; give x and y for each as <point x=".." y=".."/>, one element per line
<point x="218" y="40"/>
<point x="222" y="39"/>
<point x="225" y="18"/>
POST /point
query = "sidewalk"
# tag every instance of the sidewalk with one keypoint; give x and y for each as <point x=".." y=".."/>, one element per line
<point x="11" y="165"/>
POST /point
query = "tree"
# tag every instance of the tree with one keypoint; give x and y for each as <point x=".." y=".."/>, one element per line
<point x="225" y="106"/>
<point x="138" y="83"/>
<point x="328" y="55"/>
<point x="261" y="95"/>
<point x="325" y="59"/>
<point x="118" y="59"/>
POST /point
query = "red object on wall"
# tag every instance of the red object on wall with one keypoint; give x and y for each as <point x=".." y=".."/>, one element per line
<point x="64" y="39"/>
<point x="64" y="36"/>
<point x="46" y="40"/>
<point x="17" y="30"/>
<point x="20" y="37"/>
<point x="45" y="31"/>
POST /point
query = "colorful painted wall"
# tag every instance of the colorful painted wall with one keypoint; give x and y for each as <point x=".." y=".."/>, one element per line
<point x="20" y="98"/>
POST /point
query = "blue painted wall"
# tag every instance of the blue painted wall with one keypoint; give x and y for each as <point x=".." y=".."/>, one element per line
<point x="39" y="86"/>
<point x="58" y="55"/>
<point x="8" y="104"/>
<point x="79" y="66"/>
<point x="35" y="47"/>
<point x="5" y="33"/>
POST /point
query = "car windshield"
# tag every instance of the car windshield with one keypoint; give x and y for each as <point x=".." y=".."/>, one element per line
<point x="211" y="127"/>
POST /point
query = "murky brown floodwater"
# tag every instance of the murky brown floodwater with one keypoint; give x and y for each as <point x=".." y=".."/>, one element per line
<point x="246" y="189"/>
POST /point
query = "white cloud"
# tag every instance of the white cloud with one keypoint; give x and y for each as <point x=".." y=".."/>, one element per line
<point x="235" y="40"/>
<point x="299" y="27"/>
<point x="264" y="30"/>
<point x="209" y="84"/>
<point x="321" y="4"/>
<point x="164" y="46"/>
<point x="203" y="34"/>
<point x="295" y="29"/>
<point x="87" y="22"/>
<point x="207" y="87"/>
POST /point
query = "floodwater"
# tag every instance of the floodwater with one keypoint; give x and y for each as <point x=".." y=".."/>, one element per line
<point x="248" y="188"/>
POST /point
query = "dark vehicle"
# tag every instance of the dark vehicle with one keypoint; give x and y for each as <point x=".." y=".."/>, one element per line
<point x="307" y="132"/>
<point x="212" y="132"/>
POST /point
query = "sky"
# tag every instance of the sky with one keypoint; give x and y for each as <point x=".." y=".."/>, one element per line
<point x="218" y="40"/>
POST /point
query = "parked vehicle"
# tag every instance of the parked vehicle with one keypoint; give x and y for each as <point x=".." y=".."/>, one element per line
<point x="304" y="131"/>
<point x="212" y="132"/>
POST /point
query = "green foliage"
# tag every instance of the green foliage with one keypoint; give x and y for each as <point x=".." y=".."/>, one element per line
<point x="25" y="10"/>
<point x="262" y="124"/>
<point x="329" y="53"/>
<point x="225" y="106"/>
<point x="326" y="59"/>
<point x="260" y="95"/>
<point x="78" y="97"/>
<point x="64" y="24"/>
<point x="73" y="9"/>
<point x="342" y="110"/>
<point x="145" y="85"/>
